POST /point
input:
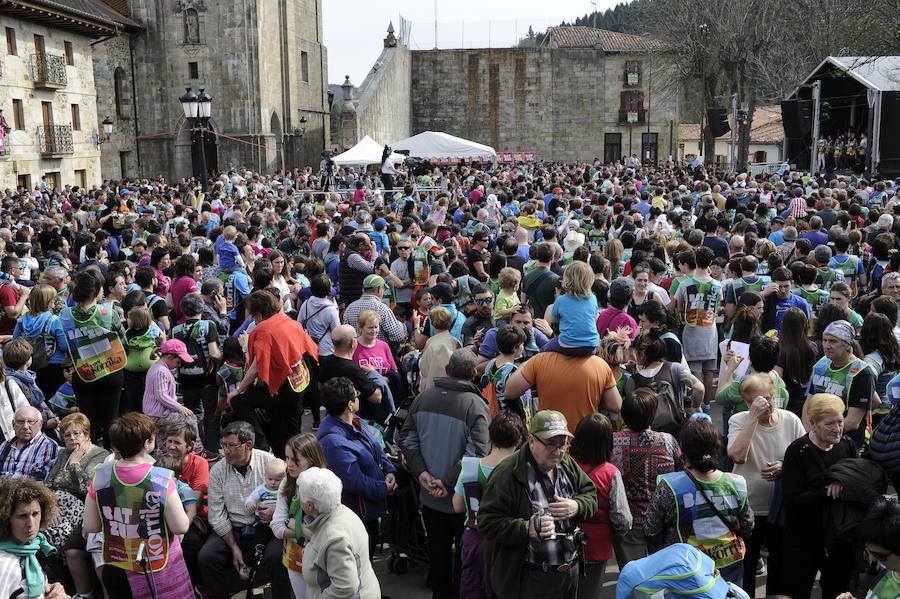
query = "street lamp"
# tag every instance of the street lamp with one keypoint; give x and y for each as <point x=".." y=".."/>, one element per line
<point x="107" y="131"/>
<point x="197" y="111"/>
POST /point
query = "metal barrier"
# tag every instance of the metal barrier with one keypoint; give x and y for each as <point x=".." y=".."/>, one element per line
<point x="759" y="168"/>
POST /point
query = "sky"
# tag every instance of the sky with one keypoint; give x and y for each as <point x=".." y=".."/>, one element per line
<point x="355" y="29"/>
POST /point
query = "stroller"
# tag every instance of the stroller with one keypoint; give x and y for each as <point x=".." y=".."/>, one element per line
<point x="402" y="526"/>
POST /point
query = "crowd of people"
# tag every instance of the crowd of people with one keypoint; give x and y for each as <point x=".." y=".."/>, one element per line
<point x="269" y="382"/>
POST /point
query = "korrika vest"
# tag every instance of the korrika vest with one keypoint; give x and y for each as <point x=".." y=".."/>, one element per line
<point x="132" y="514"/>
<point x="698" y="525"/>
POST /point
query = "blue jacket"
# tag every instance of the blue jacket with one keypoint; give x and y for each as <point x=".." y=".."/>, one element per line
<point x="357" y="458"/>
<point x="32" y="326"/>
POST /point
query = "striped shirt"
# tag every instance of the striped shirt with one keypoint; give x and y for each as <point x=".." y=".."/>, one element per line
<point x="227" y="489"/>
<point x="34" y="460"/>
<point x="392" y="330"/>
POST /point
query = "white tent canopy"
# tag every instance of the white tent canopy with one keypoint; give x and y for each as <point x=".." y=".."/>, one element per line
<point x="367" y="151"/>
<point x="435" y="144"/>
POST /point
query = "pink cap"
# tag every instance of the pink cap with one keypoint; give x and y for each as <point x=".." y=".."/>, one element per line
<point x="176" y="347"/>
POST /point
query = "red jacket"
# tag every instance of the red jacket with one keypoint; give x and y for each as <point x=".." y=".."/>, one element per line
<point x="598" y="528"/>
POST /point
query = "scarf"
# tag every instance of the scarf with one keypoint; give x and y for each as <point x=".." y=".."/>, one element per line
<point x="34" y="574"/>
<point x="296" y="511"/>
<point x="276" y="344"/>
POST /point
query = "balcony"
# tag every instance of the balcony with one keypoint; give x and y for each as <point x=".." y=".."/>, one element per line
<point x="633" y="116"/>
<point x="48" y="71"/>
<point x="55" y="141"/>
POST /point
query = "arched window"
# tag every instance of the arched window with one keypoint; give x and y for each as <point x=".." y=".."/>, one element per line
<point x="191" y="26"/>
<point x="122" y="94"/>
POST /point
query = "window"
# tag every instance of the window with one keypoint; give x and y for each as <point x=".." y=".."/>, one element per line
<point x="304" y="66"/>
<point x="70" y="53"/>
<point x="10" y="41"/>
<point x="632" y="73"/>
<point x="193" y="70"/>
<point x="39" y="44"/>
<point x="18" y="115"/>
<point x="632" y="101"/>
<point x="122" y="94"/>
<point x="76" y="118"/>
<point x="81" y="178"/>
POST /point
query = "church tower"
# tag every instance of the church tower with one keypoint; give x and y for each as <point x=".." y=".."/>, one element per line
<point x="262" y="61"/>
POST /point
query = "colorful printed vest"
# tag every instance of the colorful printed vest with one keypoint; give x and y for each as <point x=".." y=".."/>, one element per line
<point x="474" y="479"/>
<point x="701" y="303"/>
<point x="132" y="514"/>
<point x="849" y="268"/>
<point x="698" y="525"/>
<point x="739" y="286"/>
<point x="836" y="382"/>
<point x="816" y="299"/>
<point x="96" y="350"/>
<point x="596" y="240"/>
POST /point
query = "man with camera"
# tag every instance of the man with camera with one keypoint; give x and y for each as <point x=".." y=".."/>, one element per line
<point x="529" y="511"/>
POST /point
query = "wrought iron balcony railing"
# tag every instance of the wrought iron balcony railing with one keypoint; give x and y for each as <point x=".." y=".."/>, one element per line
<point x="48" y="71"/>
<point x="55" y="140"/>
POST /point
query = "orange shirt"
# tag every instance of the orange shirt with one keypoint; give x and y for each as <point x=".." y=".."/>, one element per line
<point x="570" y="385"/>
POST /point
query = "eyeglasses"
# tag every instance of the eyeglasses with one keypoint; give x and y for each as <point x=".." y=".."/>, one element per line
<point x="484" y="300"/>
<point x="556" y="446"/>
<point x="880" y="556"/>
<point x="73" y="435"/>
<point x="833" y="424"/>
<point x="23" y="422"/>
<point x="403" y="247"/>
<point x="227" y="446"/>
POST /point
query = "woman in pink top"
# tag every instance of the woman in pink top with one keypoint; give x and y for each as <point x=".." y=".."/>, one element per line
<point x="160" y="261"/>
<point x="183" y="284"/>
<point x="372" y="353"/>
<point x="160" y="402"/>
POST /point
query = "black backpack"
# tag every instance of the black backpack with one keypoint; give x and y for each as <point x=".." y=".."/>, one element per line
<point x="670" y="413"/>
<point x="198" y="371"/>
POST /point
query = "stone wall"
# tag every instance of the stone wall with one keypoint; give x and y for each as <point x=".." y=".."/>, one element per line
<point x="382" y="106"/>
<point x="24" y="162"/>
<point x="558" y="103"/>
<point x="112" y="61"/>
<point x="249" y="56"/>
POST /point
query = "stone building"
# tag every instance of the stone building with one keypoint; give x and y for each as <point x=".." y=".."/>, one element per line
<point x="47" y="89"/>
<point x="262" y="61"/>
<point x="585" y="93"/>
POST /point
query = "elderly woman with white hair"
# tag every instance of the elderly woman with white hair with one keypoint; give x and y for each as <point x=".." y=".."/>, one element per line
<point x="336" y="559"/>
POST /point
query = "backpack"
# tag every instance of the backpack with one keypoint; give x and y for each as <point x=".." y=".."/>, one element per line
<point x="42" y="347"/>
<point x="670" y="413"/>
<point x="197" y="372"/>
<point x="492" y="379"/>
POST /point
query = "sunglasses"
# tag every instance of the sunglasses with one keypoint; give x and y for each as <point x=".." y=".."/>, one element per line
<point x="483" y="301"/>
<point x="880" y="556"/>
<point x="404" y="247"/>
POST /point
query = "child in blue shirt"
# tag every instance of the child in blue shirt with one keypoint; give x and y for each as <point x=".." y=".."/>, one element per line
<point x="576" y="311"/>
<point x="265" y="495"/>
<point x="229" y="256"/>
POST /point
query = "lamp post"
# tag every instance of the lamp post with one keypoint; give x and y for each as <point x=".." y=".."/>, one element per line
<point x="107" y="131"/>
<point x="197" y="111"/>
<point x="300" y="132"/>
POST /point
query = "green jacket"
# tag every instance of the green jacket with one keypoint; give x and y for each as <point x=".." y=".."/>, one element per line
<point x="504" y="513"/>
<point x="731" y="395"/>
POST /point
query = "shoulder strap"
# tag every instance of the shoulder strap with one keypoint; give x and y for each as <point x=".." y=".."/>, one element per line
<point x="734" y="528"/>
<point x="537" y="282"/>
